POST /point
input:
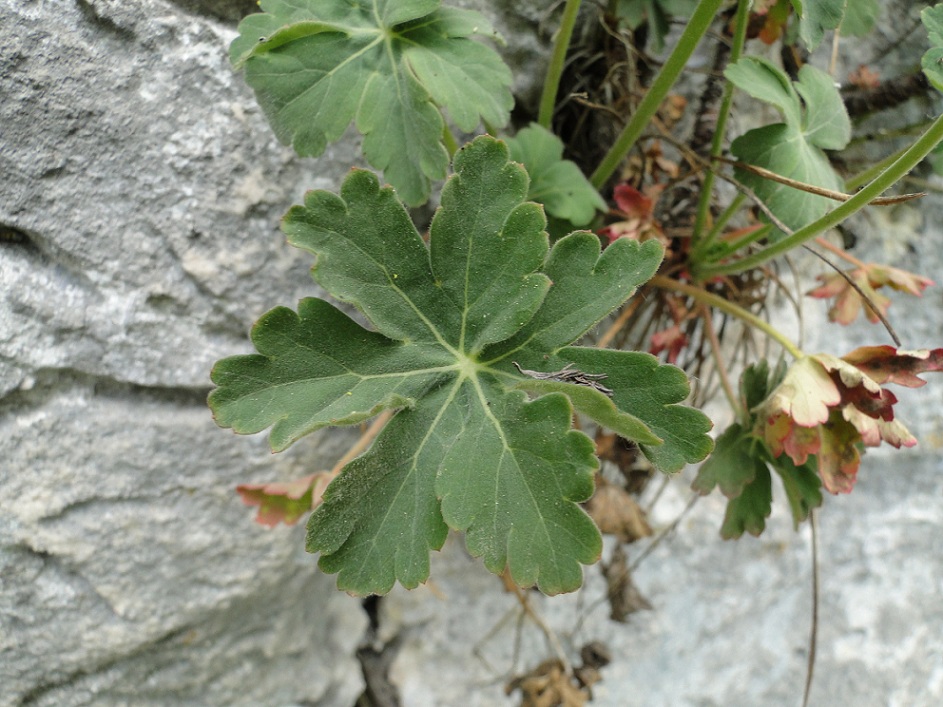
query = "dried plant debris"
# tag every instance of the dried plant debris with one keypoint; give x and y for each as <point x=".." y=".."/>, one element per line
<point x="549" y="684"/>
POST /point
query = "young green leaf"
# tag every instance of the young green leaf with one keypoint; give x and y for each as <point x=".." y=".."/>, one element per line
<point x="932" y="61"/>
<point x="466" y="449"/>
<point x="802" y="485"/>
<point x="556" y="183"/>
<point x="732" y="466"/>
<point x="391" y="66"/>
<point x="793" y="149"/>
<point x="817" y="16"/>
<point x="748" y="511"/>
<point x="860" y="17"/>
<point x="757" y="382"/>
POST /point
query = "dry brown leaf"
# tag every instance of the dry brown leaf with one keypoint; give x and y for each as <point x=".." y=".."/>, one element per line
<point x="633" y="465"/>
<point x="617" y="513"/>
<point x="548" y="685"/>
<point x="624" y="597"/>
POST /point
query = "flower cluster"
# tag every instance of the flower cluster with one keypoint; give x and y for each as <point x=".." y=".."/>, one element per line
<point x="829" y="407"/>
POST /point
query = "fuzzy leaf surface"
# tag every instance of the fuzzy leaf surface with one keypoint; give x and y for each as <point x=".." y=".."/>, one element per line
<point x="466" y="449"/>
<point x="390" y="66"/>
<point x="793" y="149"/>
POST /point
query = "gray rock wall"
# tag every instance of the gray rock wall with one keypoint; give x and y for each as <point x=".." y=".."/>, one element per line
<point x="140" y="193"/>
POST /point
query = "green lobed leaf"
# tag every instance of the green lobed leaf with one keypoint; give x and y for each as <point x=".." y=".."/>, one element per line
<point x="860" y="17"/>
<point x="793" y="149"/>
<point x="817" y="16"/>
<point x="652" y="392"/>
<point x="748" y="511"/>
<point x="389" y="66"/>
<point x="733" y="465"/>
<point x="932" y="61"/>
<point x="484" y="264"/>
<point x="517" y="502"/>
<point x="757" y="382"/>
<point x="598" y="407"/>
<point x="465" y="450"/>
<point x="585" y="287"/>
<point x="318" y="368"/>
<point x="802" y="485"/>
<point x="380" y="518"/>
<point x="556" y="183"/>
<point x="765" y="81"/>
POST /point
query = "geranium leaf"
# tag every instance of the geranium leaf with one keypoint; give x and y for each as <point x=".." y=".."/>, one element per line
<point x="556" y="183"/>
<point x="517" y="502"/>
<point x="802" y="486"/>
<point x="860" y="17"/>
<point x="380" y="517"/>
<point x="285" y="502"/>
<point x="598" y="407"/>
<point x="793" y="149"/>
<point x="733" y="464"/>
<point x="466" y="450"/>
<point x="318" y="368"/>
<point x="586" y="286"/>
<point x="817" y="16"/>
<point x="763" y="80"/>
<point x="652" y="392"/>
<point x="805" y="394"/>
<point x="748" y="511"/>
<point x="390" y="66"/>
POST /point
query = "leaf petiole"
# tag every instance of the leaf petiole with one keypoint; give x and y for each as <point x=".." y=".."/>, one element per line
<point x="698" y="25"/>
<point x="548" y="98"/>
<point x="700" y="295"/>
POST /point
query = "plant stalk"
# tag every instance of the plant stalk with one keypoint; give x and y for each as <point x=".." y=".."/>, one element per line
<point x="704" y="297"/>
<point x="548" y="99"/>
<point x="698" y="25"/>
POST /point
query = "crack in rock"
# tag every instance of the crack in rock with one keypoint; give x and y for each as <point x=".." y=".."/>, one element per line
<point x="376" y="659"/>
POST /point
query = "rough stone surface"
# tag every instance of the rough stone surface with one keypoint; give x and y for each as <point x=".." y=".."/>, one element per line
<point x="146" y="190"/>
<point x="143" y="190"/>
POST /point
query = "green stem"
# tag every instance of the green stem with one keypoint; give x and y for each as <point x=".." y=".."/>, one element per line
<point x="728" y="249"/>
<point x="719" y="363"/>
<point x="894" y="173"/>
<point x="874" y="170"/>
<point x="700" y="295"/>
<point x="700" y="22"/>
<point x="741" y="21"/>
<point x="700" y="249"/>
<point x="548" y="100"/>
